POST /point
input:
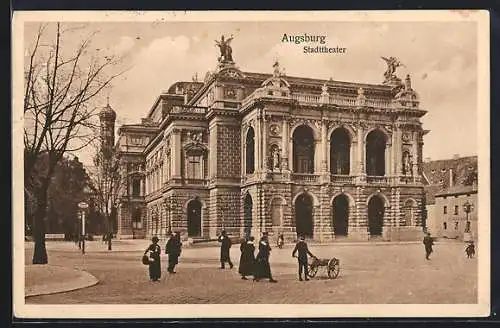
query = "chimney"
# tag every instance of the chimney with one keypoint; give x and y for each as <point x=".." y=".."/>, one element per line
<point x="456" y="156"/>
<point x="451" y="178"/>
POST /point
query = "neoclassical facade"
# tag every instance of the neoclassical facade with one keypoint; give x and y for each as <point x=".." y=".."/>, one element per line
<point x="252" y="152"/>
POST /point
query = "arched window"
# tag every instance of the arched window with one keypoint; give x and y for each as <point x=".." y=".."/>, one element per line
<point x="136" y="187"/>
<point x="340" y="152"/>
<point x="303" y="150"/>
<point x="250" y="151"/>
<point x="375" y="153"/>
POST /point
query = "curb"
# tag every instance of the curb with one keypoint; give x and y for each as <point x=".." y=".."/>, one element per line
<point x="83" y="280"/>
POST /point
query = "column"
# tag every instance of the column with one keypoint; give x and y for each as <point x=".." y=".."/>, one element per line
<point x="284" y="145"/>
<point x="361" y="151"/>
<point x="258" y="143"/>
<point x="388" y="153"/>
<point x="264" y="143"/>
<point x="396" y="151"/>
<point x="415" y="155"/>
<point x="176" y="154"/>
<point x="324" y="146"/>
<point x="212" y="161"/>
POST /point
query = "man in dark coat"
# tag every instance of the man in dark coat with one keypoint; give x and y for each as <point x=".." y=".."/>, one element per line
<point x="262" y="267"/>
<point x="154" y="259"/>
<point x="428" y="243"/>
<point x="301" y="248"/>
<point x="224" y="250"/>
<point x="173" y="249"/>
<point x="247" y="259"/>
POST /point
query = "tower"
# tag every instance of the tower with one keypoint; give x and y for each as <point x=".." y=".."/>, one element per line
<point x="107" y="117"/>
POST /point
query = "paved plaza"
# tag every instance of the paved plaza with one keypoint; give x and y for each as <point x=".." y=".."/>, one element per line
<point x="378" y="273"/>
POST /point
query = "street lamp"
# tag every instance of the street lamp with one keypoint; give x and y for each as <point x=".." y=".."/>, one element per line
<point x="468" y="207"/>
<point x="83" y="206"/>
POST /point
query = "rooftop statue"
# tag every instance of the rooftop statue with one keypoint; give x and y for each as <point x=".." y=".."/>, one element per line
<point x="392" y="64"/>
<point x="226" y="52"/>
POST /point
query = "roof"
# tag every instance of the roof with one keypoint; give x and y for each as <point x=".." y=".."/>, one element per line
<point x="430" y="192"/>
<point x="438" y="172"/>
<point x="457" y="190"/>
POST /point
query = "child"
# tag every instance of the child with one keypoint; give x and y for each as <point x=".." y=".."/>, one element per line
<point x="470" y="250"/>
<point x="301" y="247"/>
<point x="281" y="240"/>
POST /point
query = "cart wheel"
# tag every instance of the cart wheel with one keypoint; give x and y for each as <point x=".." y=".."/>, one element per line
<point x="333" y="269"/>
<point x="313" y="270"/>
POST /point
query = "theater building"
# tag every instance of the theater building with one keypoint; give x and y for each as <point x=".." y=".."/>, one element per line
<point x="251" y="152"/>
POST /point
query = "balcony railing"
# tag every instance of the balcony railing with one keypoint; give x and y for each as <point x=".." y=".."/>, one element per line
<point x="377" y="179"/>
<point x="188" y="109"/>
<point x="197" y="182"/>
<point x="305" y="177"/>
<point x="344" y="179"/>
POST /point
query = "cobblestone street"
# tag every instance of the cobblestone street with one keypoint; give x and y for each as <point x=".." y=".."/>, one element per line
<point x="370" y="274"/>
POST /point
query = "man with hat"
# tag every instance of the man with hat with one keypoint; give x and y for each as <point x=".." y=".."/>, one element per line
<point x="301" y="248"/>
<point x="224" y="250"/>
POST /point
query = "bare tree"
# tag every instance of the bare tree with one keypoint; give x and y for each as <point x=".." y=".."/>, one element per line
<point x="107" y="184"/>
<point x="62" y="86"/>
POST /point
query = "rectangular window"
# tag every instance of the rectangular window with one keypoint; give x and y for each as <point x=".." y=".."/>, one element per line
<point x="194" y="167"/>
<point x="444" y="226"/>
<point x="445" y="209"/>
<point x="456" y="209"/>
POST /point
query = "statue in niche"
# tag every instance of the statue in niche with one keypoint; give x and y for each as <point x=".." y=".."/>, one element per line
<point x="276" y="158"/>
<point x="226" y="52"/>
<point x="407" y="168"/>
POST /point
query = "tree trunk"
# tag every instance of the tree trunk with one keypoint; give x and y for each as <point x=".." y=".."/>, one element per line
<point x="110" y="232"/>
<point x="40" y="253"/>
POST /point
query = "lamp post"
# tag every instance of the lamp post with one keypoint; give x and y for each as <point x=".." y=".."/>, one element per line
<point x="83" y="206"/>
<point x="468" y="207"/>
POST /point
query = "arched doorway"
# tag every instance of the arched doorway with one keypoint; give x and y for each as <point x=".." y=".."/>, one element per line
<point x="375" y="216"/>
<point x="247" y="215"/>
<point x="194" y="218"/>
<point x="340" y="215"/>
<point x="340" y="152"/>
<point x="375" y="153"/>
<point x="303" y="150"/>
<point x="304" y="215"/>
<point x="250" y="148"/>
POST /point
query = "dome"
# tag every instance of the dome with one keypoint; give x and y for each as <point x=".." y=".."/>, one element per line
<point x="107" y="113"/>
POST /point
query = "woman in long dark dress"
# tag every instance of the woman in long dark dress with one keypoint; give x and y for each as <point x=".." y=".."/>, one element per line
<point x="262" y="267"/>
<point x="173" y="249"/>
<point x="247" y="259"/>
<point x="154" y="259"/>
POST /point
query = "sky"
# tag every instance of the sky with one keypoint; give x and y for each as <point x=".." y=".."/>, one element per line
<point x="441" y="58"/>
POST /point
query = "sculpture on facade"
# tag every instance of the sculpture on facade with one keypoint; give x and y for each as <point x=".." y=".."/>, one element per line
<point x="407" y="168"/>
<point x="226" y="52"/>
<point x="276" y="158"/>
<point x="392" y="64"/>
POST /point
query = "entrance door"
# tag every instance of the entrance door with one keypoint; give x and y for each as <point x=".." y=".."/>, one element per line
<point x="375" y="216"/>
<point x="340" y="214"/>
<point x="194" y="218"/>
<point x="303" y="215"/>
<point x="247" y="215"/>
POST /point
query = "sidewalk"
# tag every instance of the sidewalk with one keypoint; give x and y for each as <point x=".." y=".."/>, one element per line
<point x="134" y="245"/>
<point x="51" y="279"/>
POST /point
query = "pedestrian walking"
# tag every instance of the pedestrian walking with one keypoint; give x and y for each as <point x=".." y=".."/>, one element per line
<point x="262" y="266"/>
<point x="281" y="241"/>
<point x="302" y="249"/>
<point x="173" y="249"/>
<point x="428" y="242"/>
<point x="247" y="259"/>
<point x="224" y="250"/>
<point x="154" y="259"/>
<point x="470" y="250"/>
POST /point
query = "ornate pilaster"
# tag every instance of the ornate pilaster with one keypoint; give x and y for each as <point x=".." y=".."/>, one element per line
<point x="264" y="144"/>
<point x="177" y="153"/>
<point x="285" y="139"/>
<point x="361" y="152"/>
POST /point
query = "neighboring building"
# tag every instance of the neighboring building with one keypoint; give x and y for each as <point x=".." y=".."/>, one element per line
<point x="449" y="184"/>
<point x="252" y="152"/>
<point x="451" y="212"/>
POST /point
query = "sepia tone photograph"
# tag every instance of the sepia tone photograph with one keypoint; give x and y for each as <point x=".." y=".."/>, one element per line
<point x="251" y="164"/>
